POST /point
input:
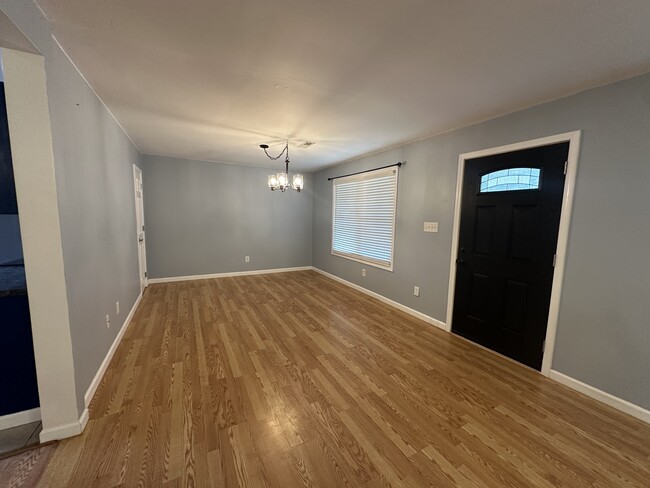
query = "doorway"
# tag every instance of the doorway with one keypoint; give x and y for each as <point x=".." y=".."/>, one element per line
<point x="510" y="235"/>
<point x="19" y="403"/>
<point x="139" y="217"/>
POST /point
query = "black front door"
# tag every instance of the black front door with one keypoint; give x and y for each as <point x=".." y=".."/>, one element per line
<point x="509" y="224"/>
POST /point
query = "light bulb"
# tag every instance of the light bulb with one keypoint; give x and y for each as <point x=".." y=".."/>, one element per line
<point x="283" y="181"/>
<point x="298" y="182"/>
<point x="273" y="182"/>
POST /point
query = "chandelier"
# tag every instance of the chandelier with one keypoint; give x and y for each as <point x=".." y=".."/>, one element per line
<point x="280" y="181"/>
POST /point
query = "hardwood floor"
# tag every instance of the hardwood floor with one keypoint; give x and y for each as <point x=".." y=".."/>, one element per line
<point x="293" y="379"/>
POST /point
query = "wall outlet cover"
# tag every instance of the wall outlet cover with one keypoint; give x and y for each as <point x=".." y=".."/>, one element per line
<point x="431" y="227"/>
<point x="247" y="259"/>
<point x="416" y="291"/>
<point x="363" y="271"/>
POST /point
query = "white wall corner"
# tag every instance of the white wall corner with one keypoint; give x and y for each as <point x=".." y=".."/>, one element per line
<point x="608" y="399"/>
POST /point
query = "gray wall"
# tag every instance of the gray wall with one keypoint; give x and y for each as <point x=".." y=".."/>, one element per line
<point x="94" y="171"/>
<point x="203" y="218"/>
<point x="93" y="163"/>
<point x="603" y="334"/>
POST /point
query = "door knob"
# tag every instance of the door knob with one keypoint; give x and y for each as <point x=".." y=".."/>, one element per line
<point x="460" y="261"/>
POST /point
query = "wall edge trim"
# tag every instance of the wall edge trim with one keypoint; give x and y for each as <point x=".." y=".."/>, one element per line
<point x="20" y="418"/>
<point x="67" y="430"/>
<point x="388" y="301"/>
<point x="172" y="279"/>
<point x="619" y="404"/>
<point x="94" y="384"/>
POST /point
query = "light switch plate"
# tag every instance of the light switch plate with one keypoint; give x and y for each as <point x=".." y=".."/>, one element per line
<point x="431" y="227"/>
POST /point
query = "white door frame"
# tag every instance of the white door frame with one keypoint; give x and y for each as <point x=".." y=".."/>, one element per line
<point x="563" y="234"/>
<point x="40" y="228"/>
<point x="140" y="229"/>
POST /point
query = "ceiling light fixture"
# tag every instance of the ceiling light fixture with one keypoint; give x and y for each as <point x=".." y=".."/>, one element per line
<point x="280" y="181"/>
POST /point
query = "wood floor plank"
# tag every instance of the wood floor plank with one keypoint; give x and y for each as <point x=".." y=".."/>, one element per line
<point x="294" y="379"/>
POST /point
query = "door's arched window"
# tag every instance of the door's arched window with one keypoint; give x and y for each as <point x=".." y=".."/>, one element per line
<point x="512" y="179"/>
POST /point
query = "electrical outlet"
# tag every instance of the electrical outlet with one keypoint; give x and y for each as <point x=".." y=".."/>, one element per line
<point x="108" y="321"/>
<point x="363" y="271"/>
<point x="416" y="291"/>
<point x="247" y="259"/>
<point x="431" y="227"/>
<point x="117" y="308"/>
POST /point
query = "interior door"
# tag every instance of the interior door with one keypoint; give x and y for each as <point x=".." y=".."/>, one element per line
<point x="510" y="219"/>
<point x="139" y="215"/>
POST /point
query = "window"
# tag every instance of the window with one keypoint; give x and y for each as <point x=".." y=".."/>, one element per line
<point x="363" y="217"/>
<point x="512" y="179"/>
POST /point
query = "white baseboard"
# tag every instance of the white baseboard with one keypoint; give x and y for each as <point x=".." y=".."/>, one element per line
<point x="382" y="298"/>
<point x="20" y="418"/>
<point x="65" y="431"/>
<point x="602" y="396"/>
<point x="599" y="395"/>
<point x="94" y="384"/>
<point x="83" y="420"/>
<point x="226" y="275"/>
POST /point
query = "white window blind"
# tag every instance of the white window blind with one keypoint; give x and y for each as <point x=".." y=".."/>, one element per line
<point x="363" y="220"/>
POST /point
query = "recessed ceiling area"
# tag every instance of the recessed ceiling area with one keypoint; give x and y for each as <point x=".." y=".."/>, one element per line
<point x="212" y="80"/>
<point x="12" y="38"/>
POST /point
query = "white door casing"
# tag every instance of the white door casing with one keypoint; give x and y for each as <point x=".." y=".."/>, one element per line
<point x="140" y="230"/>
<point x="563" y="235"/>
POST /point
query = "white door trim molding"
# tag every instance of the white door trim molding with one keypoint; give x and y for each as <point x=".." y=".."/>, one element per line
<point x="140" y="230"/>
<point x="34" y="171"/>
<point x="563" y="234"/>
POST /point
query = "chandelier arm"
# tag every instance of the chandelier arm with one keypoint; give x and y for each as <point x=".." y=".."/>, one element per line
<point x="276" y="182"/>
<point x="286" y="148"/>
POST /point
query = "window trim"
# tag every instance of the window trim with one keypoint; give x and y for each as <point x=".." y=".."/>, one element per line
<point x="363" y="177"/>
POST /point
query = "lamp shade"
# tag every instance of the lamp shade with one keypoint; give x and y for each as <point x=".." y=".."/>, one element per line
<point x="273" y="182"/>
<point x="298" y="182"/>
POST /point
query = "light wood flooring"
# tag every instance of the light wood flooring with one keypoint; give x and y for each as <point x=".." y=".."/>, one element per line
<point x="293" y="379"/>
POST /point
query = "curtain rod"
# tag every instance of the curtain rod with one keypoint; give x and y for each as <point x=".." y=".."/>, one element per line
<point x="400" y="163"/>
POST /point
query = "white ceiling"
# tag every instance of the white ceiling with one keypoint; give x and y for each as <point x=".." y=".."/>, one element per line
<point x="211" y="80"/>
